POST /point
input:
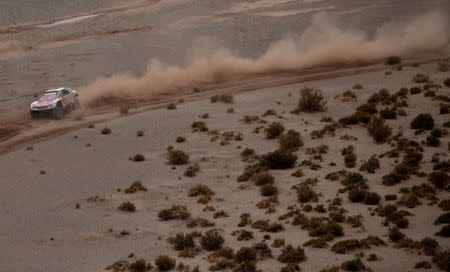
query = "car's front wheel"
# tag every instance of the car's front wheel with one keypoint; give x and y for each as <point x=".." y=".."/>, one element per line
<point x="58" y="111"/>
<point x="34" y="114"/>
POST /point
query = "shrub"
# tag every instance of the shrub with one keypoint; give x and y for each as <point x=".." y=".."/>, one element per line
<point x="200" y="189"/>
<point x="199" y="126"/>
<point x="135" y="187"/>
<point x="440" y="179"/>
<point x="368" y="108"/>
<point x="423" y="121"/>
<point x="350" y="160"/>
<point x="432" y="141"/>
<point x="289" y="254"/>
<point x="192" y="171"/>
<point x="165" y="263"/>
<point x="447" y="82"/>
<point x="442" y="260"/>
<point x="181" y="241"/>
<point x="274" y="130"/>
<point x="139" y="133"/>
<point x="180" y="139"/>
<point x="224" y="98"/>
<point x="291" y="140"/>
<point x="175" y="212"/>
<point x="106" y="130"/>
<point x="139" y="265"/>
<point x="388" y="113"/>
<point x="211" y="240"/>
<point x="395" y="234"/>
<point x="371" y="198"/>
<point x="311" y="100"/>
<point x="171" y="106"/>
<point x="279" y="159"/>
<point x="246" y="254"/>
<point x="444" y="204"/>
<point x="268" y="190"/>
<point x="138" y="157"/>
<point x="305" y="194"/>
<point x="393" y="60"/>
<point x="353" y="265"/>
<point x="356" y="195"/>
<point x="420" y="78"/>
<point x="378" y="130"/>
<point x="345" y="246"/>
<point x="415" y="90"/>
<point x="127" y="206"/>
<point x="390" y="197"/>
<point x="263" y="178"/>
<point x="177" y="157"/>
<point x="370" y="165"/>
<point x="444" y="232"/>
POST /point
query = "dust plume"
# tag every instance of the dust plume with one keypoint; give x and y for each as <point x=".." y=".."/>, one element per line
<point x="322" y="43"/>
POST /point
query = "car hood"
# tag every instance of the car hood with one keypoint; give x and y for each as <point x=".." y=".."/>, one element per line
<point x="42" y="103"/>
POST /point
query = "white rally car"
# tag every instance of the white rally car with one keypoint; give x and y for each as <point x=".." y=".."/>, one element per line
<point x="55" y="102"/>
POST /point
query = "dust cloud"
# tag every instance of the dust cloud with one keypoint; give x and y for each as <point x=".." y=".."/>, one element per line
<point x="322" y="43"/>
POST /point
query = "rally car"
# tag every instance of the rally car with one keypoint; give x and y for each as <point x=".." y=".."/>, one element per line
<point x="55" y="102"/>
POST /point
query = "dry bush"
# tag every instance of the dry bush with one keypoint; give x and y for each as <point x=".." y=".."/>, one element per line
<point x="443" y="67"/>
<point x="124" y="109"/>
<point x="106" y="130"/>
<point x="211" y="240"/>
<point x="140" y="133"/>
<point x="182" y="241"/>
<point x="268" y="190"/>
<point x="175" y="212"/>
<point x="420" y="78"/>
<point x="165" y="263"/>
<point x="291" y="140"/>
<point x="135" y="187"/>
<point x="311" y="100"/>
<point x="263" y="178"/>
<point x="447" y="82"/>
<point x="379" y="130"/>
<point x="278" y="159"/>
<point x="177" y="157"/>
<point x="274" y="130"/>
<point x="393" y="60"/>
<point x="200" y="190"/>
<point x="289" y="254"/>
<point x="138" y="157"/>
<point x="127" y="206"/>
<point x="423" y="121"/>
<point x="199" y="126"/>
<point x="192" y="171"/>
<point x="224" y="98"/>
<point x="171" y="106"/>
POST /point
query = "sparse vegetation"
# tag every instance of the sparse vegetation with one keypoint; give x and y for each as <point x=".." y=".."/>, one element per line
<point x="311" y="100"/>
<point x="135" y="187"/>
<point x="127" y="206"/>
<point x="224" y="98"/>
<point x="177" y="157"/>
<point x="279" y="159"/>
<point x="106" y="130"/>
<point x="379" y="130"/>
<point x="211" y="240"/>
<point x="291" y="140"/>
<point x="274" y="130"/>
<point x="165" y="263"/>
<point x="423" y="121"/>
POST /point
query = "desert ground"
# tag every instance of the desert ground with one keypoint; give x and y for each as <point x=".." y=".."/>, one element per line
<point x="244" y="151"/>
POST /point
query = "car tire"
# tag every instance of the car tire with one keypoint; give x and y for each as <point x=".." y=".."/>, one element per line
<point x="58" y="111"/>
<point x="34" y="114"/>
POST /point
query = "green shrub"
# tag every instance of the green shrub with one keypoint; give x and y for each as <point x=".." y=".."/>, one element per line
<point x="379" y="130"/>
<point x="311" y="100"/>
<point x="291" y="140"/>
<point x="177" y="157"/>
<point x="274" y="130"/>
<point x="423" y="121"/>
<point x="279" y="159"/>
<point x="289" y="254"/>
<point x="165" y="263"/>
<point x="211" y="240"/>
<point x="127" y="206"/>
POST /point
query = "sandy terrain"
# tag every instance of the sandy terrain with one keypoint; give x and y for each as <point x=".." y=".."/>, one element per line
<point x="43" y="231"/>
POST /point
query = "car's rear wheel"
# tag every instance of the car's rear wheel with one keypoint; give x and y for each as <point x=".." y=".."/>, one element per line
<point x="76" y="104"/>
<point x="34" y="114"/>
<point x="58" y="111"/>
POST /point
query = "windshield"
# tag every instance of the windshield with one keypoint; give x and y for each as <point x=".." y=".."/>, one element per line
<point x="47" y="97"/>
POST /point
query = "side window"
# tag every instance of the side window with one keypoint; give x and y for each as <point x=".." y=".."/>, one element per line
<point x="65" y="92"/>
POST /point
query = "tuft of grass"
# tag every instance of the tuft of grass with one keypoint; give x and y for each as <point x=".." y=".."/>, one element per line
<point x="177" y="157"/>
<point x="311" y="100"/>
<point x="165" y="263"/>
<point x="127" y="206"/>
